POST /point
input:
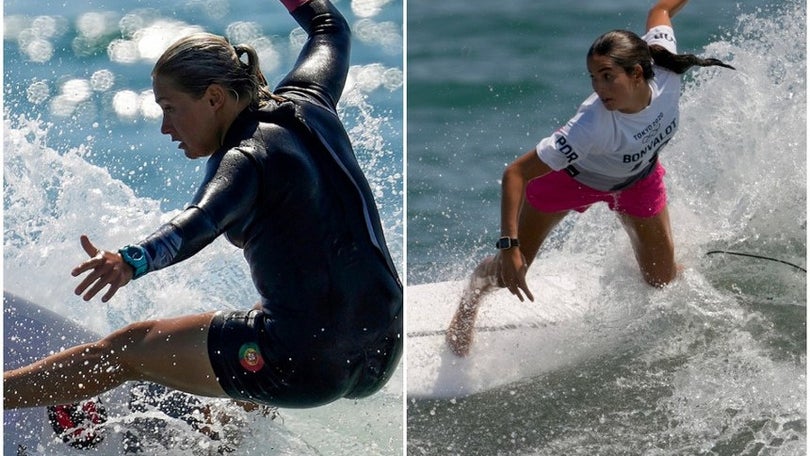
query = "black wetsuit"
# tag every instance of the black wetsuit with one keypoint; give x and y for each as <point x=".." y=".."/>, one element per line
<point x="287" y="189"/>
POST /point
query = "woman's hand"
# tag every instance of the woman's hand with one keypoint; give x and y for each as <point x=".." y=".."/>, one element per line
<point x="107" y="268"/>
<point x="512" y="269"/>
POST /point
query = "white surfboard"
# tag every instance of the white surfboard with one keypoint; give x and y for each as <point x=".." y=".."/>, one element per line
<point x="567" y="322"/>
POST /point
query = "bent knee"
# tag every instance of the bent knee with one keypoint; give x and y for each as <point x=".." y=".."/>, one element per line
<point x="129" y="335"/>
<point x="126" y="344"/>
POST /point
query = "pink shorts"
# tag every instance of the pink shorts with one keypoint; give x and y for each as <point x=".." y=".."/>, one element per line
<point x="558" y="192"/>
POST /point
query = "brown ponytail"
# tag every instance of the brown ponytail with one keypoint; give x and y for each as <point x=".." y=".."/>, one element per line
<point x="679" y="63"/>
<point x="254" y="71"/>
<point x="627" y="50"/>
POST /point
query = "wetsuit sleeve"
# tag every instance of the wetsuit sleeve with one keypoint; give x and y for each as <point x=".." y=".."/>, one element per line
<point x="323" y="63"/>
<point x="227" y="193"/>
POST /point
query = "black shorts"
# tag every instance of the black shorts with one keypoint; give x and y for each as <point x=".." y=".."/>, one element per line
<point x="252" y="363"/>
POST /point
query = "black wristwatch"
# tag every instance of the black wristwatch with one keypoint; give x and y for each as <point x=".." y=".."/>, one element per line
<point x="506" y="242"/>
<point x="135" y="256"/>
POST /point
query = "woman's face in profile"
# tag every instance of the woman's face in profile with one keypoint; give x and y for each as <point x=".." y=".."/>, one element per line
<point x="192" y="122"/>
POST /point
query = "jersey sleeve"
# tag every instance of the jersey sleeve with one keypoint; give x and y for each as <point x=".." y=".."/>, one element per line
<point x="662" y="35"/>
<point x="571" y="143"/>
<point x="227" y="193"/>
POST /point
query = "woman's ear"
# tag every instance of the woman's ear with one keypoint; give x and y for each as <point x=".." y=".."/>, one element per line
<point x="638" y="72"/>
<point x="215" y="95"/>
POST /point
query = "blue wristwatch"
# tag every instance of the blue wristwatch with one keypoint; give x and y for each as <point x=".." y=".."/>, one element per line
<point x="135" y="256"/>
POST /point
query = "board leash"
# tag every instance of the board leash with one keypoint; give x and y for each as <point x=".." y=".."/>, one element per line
<point x="759" y="257"/>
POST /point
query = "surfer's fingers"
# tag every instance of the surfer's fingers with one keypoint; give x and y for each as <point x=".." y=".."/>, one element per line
<point x="111" y="291"/>
<point x="82" y="287"/>
<point x="87" y="280"/>
<point x="92" y="263"/>
<point x="521" y="279"/>
<point x="96" y="257"/>
<point x="520" y="285"/>
<point x="525" y="286"/>
<point x="88" y="246"/>
<point x="94" y="290"/>
<point x="120" y="276"/>
<point x="511" y="281"/>
<point x="99" y="277"/>
<point x="515" y="289"/>
<point x="114" y="286"/>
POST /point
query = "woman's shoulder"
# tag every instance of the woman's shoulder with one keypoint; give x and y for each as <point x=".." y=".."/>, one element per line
<point x="591" y="113"/>
<point x="589" y="123"/>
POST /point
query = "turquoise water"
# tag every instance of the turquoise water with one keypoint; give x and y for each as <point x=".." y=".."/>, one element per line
<point x="713" y="365"/>
<point x="83" y="153"/>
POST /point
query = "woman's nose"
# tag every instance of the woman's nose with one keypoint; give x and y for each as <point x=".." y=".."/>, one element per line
<point x="165" y="126"/>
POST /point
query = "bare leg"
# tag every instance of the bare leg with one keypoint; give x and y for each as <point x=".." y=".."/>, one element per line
<point x="652" y="242"/>
<point x="533" y="229"/>
<point x="459" y="335"/>
<point x="172" y="352"/>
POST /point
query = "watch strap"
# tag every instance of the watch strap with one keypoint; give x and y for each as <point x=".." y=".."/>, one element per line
<point x="135" y="256"/>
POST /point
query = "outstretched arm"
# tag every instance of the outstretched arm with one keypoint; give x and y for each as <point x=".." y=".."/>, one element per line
<point x="511" y="262"/>
<point x="217" y="204"/>
<point x="323" y="63"/>
<point x="662" y="12"/>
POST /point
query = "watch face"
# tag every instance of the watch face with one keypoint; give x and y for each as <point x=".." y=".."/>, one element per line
<point x="506" y="243"/>
<point x="135" y="253"/>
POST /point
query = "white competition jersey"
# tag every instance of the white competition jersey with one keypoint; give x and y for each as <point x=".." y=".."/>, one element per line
<point x="609" y="150"/>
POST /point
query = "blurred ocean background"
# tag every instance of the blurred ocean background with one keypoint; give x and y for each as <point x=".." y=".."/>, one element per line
<point x="713" y="365"/>
<point x="83" y="153"/>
